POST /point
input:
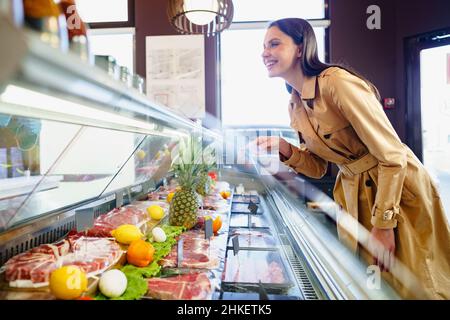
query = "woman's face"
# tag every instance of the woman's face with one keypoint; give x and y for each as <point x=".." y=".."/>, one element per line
<point x="281" y="55"/>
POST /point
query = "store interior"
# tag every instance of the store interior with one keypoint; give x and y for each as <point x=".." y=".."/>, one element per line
<point x="113" y="118"/>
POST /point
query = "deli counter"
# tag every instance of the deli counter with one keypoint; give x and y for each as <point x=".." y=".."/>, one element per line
<point x="80" y="150"/>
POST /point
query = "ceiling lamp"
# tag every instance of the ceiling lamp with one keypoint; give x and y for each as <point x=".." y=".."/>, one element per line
<point x="200" y="16"/>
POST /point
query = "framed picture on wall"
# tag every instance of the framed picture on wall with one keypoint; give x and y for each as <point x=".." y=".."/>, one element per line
<point x="176" y="73"/>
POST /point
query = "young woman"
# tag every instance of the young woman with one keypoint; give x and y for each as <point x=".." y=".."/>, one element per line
<point x="380" y="182"/>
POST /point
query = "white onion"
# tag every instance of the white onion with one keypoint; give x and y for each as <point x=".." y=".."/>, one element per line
<point x="113" y="283"/>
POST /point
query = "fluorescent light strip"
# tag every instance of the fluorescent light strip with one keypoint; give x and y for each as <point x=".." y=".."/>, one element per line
<point x="28" y="98"/>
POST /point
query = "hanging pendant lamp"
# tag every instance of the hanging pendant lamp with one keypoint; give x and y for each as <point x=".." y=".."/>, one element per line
<point x="200" y="16"/>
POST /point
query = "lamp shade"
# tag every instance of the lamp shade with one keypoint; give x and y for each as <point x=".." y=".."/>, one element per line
<point x="200" y="16"/>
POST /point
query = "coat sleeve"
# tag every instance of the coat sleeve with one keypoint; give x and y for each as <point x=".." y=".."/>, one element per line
<point x="361" y="108"/>
<point x="305" y="162"/>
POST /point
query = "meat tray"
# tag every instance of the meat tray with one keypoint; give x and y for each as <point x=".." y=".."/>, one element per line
<point x="242" y="221"/>
<point x="255" y="296"/>
<point x="253" y="239"/>
<point x="248" y="268"/>
<point x="246" y="198"/>
<point x="243" y="208"/>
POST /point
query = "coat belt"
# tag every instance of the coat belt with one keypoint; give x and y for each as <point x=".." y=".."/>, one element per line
<point x="363" y="164"/>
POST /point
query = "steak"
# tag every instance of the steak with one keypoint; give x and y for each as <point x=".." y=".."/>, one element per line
<point x="198" y="252"/>
<point x="33" y="268"/>
<point x="193" y="286"/>
<point x="106" y="223"/>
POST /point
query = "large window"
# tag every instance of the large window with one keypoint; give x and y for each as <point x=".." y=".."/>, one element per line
<point x="96" y="11"/>
<point x="249" y="96"/>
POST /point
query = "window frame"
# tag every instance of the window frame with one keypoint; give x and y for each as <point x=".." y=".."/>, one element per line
<point x="130" y="23"/>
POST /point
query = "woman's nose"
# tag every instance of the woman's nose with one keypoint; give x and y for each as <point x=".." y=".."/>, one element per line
<point x="265" y="53"/>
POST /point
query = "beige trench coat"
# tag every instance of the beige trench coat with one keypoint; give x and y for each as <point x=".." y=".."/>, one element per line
<point x="380" y="183"/>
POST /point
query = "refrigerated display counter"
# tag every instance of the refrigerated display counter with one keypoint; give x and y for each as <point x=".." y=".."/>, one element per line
<point x="95" y="154"/>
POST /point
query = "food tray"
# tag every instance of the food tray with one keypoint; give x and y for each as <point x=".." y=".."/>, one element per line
<point x="242" y="221"/>
<point x="243" y="208"/>
<point x="255" y="296"/>
<point x="246" y="198"/>
<point x="253" y="239"/>
<point x="248" y="268"/>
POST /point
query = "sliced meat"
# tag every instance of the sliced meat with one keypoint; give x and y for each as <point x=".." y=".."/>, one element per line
<point x="195" y="286"/>
<point x="93" y="255"/>
<point x="198" y="252"/>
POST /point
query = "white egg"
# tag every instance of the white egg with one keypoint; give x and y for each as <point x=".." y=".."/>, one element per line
<point x="113" y="283"/>
<point x="159" y="235"/>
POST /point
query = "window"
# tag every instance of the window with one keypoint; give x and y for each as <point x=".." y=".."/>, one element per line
<point x="266" y="10"/>
<point x="103" y="10"/>
<point x="249" y="96"/>
<point x="111" y="29"/>
<point x="115" y="42"/>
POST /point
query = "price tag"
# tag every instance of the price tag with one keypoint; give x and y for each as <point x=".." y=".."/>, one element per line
<point x="262" y="292"/>
<point x="235" y="241"/>
<point x="84" y="219"/>
<point x="253" y="207"/>
<point x="119" y="199"/>
<point x="180" y="252"/>
<point x="208" y="228"/>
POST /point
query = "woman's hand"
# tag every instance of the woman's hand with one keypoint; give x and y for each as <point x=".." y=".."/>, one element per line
<point x="272" y="143"/>
<point x="382" y="247"/>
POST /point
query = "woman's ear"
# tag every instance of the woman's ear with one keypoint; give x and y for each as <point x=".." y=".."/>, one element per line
<point x="299" y="51"/>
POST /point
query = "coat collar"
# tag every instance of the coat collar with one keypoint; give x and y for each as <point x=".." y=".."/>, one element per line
<point x="308" y="90"/>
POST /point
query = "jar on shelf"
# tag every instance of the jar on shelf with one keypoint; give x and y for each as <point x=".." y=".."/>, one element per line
<point x="46" y="17"/>
<point x="138" y="83"/>
<point x="125" y="76"/>
<point x="108" y="64"/>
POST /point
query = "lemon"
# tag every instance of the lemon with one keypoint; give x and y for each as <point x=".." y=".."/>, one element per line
<point x="155" y="212"/>
<point x="170" y="196"/>
<point x="68" y="282"/>
<point x="127" y="233"/>
<point x="141" y="154"/>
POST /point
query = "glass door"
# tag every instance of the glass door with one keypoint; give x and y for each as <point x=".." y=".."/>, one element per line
<point x="435" y="111"/>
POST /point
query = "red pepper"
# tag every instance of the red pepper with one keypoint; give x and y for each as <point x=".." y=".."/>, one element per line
<point x="213" y="175"/>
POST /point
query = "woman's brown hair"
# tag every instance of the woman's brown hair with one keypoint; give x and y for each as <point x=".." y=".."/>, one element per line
<point x="302" y="34"/>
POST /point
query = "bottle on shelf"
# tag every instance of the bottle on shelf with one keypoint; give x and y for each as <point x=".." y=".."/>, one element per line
<point x="46" y="17"/>
<point x="77" y="31"/>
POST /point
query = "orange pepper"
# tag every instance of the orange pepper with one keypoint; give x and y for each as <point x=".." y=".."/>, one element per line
<point x="140" y="253"/>
<point x="217" y="224"/>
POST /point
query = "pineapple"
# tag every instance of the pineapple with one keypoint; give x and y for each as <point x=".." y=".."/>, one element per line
<point x="205" y="182"/>
<point x="186" y="166"/>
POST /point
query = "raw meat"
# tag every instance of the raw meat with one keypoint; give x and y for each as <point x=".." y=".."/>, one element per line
<point x="194" y="286"/>
<point x="33" y="268"/>
<point x="198" y="252"/>
<point x="105" y="223"/>
<point x="253" y="238"/>
<point x="254" y="266"/>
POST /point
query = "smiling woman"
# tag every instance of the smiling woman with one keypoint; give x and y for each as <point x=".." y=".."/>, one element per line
<point x="241" y="69"/>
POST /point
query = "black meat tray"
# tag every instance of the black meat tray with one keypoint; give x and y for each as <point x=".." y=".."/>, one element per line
<point x="244" y="208"/>
<point x="246" y="198"/>
<point x="255" y="296"/>
<point x="240" y="220"/>
<point x="250" y="269"/>
<point x="252" y="239"/>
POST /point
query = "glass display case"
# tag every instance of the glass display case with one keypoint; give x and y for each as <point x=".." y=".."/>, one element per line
<point x="73" y="138"/>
